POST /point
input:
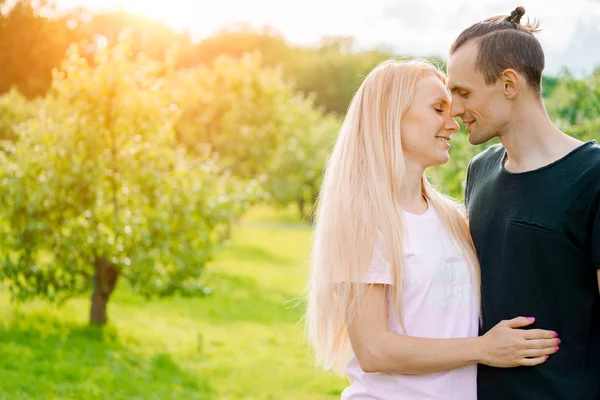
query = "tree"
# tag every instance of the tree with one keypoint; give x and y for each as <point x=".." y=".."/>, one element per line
<point x="235" y="110"/>
<point x="549" y="83"/>
<point x="298" y="165"/>
<point x="152" y="38"/>
<point x="575" y="105"/>
<point x="331" y="71"/>
<point x="33" y="41"/>
<point x="96" y="189"/>
<point x="332" y="74"/>
<point x="237" y="40"/>
<point x="14" y="109"/>
<point x="257" y="125"/>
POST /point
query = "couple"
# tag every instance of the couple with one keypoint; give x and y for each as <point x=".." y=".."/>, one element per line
<point x="417" y="299"/>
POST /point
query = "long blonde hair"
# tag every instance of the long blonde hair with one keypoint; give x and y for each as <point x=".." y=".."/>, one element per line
<point x="359" y="198"/>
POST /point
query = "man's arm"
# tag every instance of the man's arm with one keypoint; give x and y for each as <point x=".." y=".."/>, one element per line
<point x="596" y="240"/>
<point x="596" y="248"/>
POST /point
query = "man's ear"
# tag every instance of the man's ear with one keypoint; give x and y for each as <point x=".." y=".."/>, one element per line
<point x="512" y="82"/>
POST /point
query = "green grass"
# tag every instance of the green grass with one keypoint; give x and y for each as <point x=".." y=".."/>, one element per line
<point x="244" y="341"/>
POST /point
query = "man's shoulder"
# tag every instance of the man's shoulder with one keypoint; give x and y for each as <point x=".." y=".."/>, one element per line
<point x="591" y="152"/>
<point x="480" y="166"/>
<point x="588" y="159"/>
<point x="491" y="154"/>
<point x="585" y="160"/>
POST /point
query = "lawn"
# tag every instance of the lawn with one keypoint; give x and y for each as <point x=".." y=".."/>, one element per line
<point x="244" y="341"/>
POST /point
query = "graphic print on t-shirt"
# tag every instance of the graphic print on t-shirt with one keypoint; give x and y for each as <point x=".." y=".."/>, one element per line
<point x="443" y="269"/>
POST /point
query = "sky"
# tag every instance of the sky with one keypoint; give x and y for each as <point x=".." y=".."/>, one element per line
<point x="570" y="36"/>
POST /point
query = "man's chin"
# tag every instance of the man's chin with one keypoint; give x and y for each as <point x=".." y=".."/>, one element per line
<point x="476" y="139"/>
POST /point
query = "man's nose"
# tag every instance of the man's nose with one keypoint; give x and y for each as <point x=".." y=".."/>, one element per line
<point x="456" y="109"/>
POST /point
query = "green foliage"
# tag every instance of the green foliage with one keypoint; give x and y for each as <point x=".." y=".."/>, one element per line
<point x="297" y="168"/>
<point x="97" y="175"/>
<point x="234" y="110"/>
<point x="549" y="83"/>
<point x="450" y="177"/>
<point x="14" y="110"/>
<point x="152" y="38"/>
<point x="589" y="130"/>
<point x="575" y="105"/>
<point x="335" y="76"/>
<point x="256" y="125"/>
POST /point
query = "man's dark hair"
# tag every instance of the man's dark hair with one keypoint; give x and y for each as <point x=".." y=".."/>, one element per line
<point x="504" y="43"/>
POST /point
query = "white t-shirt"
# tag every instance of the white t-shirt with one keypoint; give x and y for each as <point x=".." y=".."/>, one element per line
<point x="438" y="302"/>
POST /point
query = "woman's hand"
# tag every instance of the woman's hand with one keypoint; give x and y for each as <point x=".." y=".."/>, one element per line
<point x="506" y="346"/>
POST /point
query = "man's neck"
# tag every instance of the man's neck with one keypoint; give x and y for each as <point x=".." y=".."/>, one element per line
<point x="532" y="141"/>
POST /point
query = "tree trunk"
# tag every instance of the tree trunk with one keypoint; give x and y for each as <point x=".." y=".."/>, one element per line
<point x="104" y="280"/>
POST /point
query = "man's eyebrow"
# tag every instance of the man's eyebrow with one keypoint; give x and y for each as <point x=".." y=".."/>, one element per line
<point x="455" y="88"/>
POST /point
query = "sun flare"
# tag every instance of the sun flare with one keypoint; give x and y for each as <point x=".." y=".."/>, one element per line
<point x="199" y="17"/>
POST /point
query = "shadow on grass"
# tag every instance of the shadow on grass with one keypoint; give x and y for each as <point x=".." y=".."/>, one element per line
<point x="238" y="299"/>
<point x="233" y="299"/>
<point x="42" y="357"/>
<point x="254" y="254"/>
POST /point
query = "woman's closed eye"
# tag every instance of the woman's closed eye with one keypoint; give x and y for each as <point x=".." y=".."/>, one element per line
<point x="438" y="108"/>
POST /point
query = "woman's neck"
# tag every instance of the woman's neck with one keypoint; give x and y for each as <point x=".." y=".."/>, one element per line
<point x="411" y="192"/>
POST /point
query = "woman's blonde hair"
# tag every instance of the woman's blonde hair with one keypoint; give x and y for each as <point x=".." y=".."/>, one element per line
<point x="359" y="199"/>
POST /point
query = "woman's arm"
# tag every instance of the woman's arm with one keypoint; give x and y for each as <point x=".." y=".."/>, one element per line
<point x="380" y="350"/>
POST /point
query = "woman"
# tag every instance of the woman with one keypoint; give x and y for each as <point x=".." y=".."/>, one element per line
<point x="394" y="282"/>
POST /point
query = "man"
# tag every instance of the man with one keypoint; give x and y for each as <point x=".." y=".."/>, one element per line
<point x="534" y="210"/>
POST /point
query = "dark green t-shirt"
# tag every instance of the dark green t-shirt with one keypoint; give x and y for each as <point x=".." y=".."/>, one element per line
<point x="537" y="236"/>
